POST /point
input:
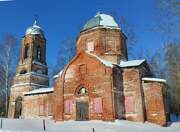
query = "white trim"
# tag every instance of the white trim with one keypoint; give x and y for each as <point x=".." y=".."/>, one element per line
<point x="100" y="27"/>
<point x="131" y="63"/>
<point x="30" y="84"/>
<point x="39" y="91"/>
<point x="154" y="79"/>
<point x="33" y="73"/>
<point x="58" y="75"/>
<point x="39" y="63"/>
<point x="105" y="62"/>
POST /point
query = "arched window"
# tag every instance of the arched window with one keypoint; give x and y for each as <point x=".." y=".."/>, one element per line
<point x="82" y="91"/>
<point x="27" y="51"/>
<point x="18" y="107"/>
<point x="23" y="72"/>
<point x="39" y="53"/>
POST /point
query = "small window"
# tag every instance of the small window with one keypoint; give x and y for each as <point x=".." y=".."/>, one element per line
<point x="90" y="46"/>
<point x="27" y="51"/>
<point x="23" y="72"/>
<point x="39" y="53"/>
<point x="49" y="109"/>
<point x="129" y="104"/>
<point x="82" y="91"/>
<point x="83" y="69"/>
<point x="41" y="110"/>
<point x="68" y="106"/>
<point x="110" y="44"/>
<point x="98" y="105"/>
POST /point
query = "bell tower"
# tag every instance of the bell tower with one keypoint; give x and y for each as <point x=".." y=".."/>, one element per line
<point x="32" y="70"/>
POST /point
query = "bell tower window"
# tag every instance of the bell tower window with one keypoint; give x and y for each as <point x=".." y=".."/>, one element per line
<point x="90" y="46"/>
<point x="39" y="53"/>
<point x="27" y="51"/>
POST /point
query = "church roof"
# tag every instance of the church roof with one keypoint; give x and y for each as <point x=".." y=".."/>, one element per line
<point x="58" y="75"/>
<point x="122" y="64"/>
<point x="102" y="20"/>
<point x="39" y="91"/>
<point x="34" y="29"/>
<point x="131" y="63"/>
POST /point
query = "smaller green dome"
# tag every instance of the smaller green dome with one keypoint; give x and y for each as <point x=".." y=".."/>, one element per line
<point x="103" y="20"/>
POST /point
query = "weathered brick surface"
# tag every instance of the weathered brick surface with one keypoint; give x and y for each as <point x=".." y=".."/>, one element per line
<point x="155" y="102"/>
<point x="121" y="89"/>
<point x="31" y="73"/>
<point x="109" y="44"/>
<point x="96" y="79"/>
<point x="38" y="106"/>
<point x="123" y="94"/>
<point x="132" y="88"/>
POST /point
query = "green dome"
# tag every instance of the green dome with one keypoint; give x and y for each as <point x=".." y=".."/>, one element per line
<point x="102" y="20"/>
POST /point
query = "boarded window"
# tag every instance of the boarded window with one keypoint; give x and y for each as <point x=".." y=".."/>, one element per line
<point x="68" y="106"/>
<point x="27" y="51"/>
<point x="110" y="44"/>
<point x="41" y="110"/>
<point x="129" y="104"/>
<point x="82" y="69"/>
<point x="90" y="46"/>
<point x="98" y="105"/>
<point x="49" y="107"/>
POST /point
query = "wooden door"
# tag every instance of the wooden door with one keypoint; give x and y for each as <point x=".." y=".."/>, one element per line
<point x="82" y="111"/>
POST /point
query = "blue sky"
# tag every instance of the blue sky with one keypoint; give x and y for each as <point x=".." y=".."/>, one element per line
<point x="61" y="19"/>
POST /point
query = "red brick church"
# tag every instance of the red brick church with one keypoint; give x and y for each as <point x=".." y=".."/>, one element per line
<point x="99" y="83"/>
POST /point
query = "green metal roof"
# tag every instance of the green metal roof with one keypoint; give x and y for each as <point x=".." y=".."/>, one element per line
<point x="101" y="20"/>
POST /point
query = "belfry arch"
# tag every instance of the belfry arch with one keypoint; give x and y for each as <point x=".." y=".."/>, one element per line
<point x="18" y="107"/>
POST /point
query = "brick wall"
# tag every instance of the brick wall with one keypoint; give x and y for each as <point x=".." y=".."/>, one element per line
<point x="134" y="107"/>
<point x="155" y="102"/>
<point x="38" y="106"/>
<point x="109" y="44"/>
<point x="84" y="71"/>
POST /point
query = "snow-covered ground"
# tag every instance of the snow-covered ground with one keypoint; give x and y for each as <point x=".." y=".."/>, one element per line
<point x="86" y="126"/>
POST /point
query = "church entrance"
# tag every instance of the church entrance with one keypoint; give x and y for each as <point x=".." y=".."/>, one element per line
<point x="82" y="111"/>
<point x="18" y="107"/>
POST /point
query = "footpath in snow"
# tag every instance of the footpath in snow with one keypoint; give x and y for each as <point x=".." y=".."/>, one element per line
<point x="37" y="125"/>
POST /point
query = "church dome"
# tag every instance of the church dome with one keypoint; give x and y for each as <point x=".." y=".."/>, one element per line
<point x="102" y="20"/>
<point x="34" y="29"/>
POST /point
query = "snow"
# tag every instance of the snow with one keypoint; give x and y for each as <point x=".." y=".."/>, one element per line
<point x="154" y="79"/>
<point x="105" y="62"/>
<point x="39" y="63"/>
<point x="107" y="20"/>
<point x="19" y="124"/>
<point x="122" y="63"/>
<point x="58" y="75"/>
<point x="36" y="125"/>
<point x="131" y="63"/>
<point x="101" y="27"/>
<point x="39" y="91"/>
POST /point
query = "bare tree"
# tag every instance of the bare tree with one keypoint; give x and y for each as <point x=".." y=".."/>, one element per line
<point x="128" y="29"/>
<point x="67" y="50"/>
<point x="169" y="27"/>
<point x="8" y="60"/>
<point x="172" y="59"/>
<point x="169" y="19"/>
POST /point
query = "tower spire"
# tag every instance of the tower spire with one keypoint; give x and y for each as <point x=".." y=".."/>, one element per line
<point x="35" y="19"/>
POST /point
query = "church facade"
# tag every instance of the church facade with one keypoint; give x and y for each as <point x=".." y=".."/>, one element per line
<point x="99" y="83"/>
